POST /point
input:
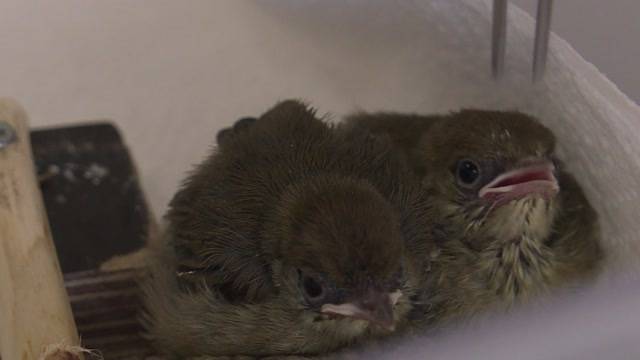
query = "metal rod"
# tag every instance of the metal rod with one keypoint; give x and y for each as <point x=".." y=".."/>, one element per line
<point x="543" y="28"/>
<point x="498" y="37"/>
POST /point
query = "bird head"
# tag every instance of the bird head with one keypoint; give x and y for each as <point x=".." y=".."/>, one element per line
<point x="339" y="253"/>
<point x="493" y="173"/>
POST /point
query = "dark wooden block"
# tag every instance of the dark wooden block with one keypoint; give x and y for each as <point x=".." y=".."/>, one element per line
<point x="91" y="193"/>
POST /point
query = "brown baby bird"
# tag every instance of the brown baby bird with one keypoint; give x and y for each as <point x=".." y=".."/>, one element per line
<point x="290" y="239"/>
<point x="512" y="222"/>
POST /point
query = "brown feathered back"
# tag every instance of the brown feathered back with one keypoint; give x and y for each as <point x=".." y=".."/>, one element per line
<point x="216" y="218"/>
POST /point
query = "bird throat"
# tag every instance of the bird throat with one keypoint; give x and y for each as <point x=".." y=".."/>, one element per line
<point x="527" y="219"/>
<point x="516" y="257"/>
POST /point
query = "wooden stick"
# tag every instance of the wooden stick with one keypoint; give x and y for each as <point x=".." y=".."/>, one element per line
<point x="34" y="307"/>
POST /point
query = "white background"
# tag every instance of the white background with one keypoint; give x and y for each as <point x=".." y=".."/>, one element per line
<point x="606" y="33"/>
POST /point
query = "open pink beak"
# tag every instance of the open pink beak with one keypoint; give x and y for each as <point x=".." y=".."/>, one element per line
<point x="376" y="308"/>
<point x="537" y="179"/>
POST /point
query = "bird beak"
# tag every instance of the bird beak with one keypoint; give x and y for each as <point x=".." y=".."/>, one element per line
<point x="537" y="178"/>
<point x="374" y="307"/>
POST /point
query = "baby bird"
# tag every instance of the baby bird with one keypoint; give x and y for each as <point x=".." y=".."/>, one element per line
<point x="290" y="239"/>
<point x="512" y="223"/>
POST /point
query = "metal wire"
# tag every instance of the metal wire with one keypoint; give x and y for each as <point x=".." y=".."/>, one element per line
<point x="499" y="38"/>
<point x="541" y="44"/>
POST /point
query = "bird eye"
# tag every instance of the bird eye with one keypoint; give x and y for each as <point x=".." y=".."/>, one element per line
<point x="313" y="289"/>
<point x="467" y="173"/>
